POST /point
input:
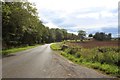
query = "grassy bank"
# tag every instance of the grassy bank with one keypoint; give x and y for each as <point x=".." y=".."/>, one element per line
<point x="104" y="60"/>
<point x="56" y="46"/>
<point x="14" y="50"/>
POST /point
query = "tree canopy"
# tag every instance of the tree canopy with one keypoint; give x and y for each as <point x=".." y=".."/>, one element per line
<point x="81" y="34"/>
<point x="101" y="36"/>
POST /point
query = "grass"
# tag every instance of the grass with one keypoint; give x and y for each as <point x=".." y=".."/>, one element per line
<point x="56" y="46"/>
<point x="107" y="68"/>
<point x="92" y="58"/>
<point x="14" y="50"/>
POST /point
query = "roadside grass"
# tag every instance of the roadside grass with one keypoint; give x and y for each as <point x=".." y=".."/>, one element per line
<point x="103" y="61"/>
<point x="56" y="46"/>
<point x="14" y="50"/>
<point x="107" y="68"/>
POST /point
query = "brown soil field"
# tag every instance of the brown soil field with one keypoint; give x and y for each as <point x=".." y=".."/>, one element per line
<point x="92" y="44"/>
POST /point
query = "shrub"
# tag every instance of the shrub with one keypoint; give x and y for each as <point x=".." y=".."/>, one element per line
<point x="63" y="47"/>
<point x="73" y="50"/>
<point x="101" y="58"/>
<point x="77" y="55"/>
<point x="108" y="49"/>
<point x="67" y="50"/>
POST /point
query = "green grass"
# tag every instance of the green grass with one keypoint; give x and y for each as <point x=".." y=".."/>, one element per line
<point x="92" y="58"/>
<point x="14" y="50"/>
<point x="56" y="46"/>
<point x="107" y="68"/>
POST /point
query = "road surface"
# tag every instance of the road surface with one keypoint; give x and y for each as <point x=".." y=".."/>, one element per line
<point x="42" y="62"/>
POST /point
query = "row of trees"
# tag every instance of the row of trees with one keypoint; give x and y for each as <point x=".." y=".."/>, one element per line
<point x="102" y="36"/>
<point x="21" y="26"/>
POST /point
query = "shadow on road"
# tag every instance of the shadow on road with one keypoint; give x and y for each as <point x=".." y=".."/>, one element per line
<point x="10" y="55"/>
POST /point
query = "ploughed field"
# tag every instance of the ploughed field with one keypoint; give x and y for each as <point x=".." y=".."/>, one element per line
<point x="93" y="44"/>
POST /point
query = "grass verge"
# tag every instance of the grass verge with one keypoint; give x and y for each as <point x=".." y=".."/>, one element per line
<point x="13" y="50"/>
<point x="56" y="46"/>
<point x="106" y="68"/>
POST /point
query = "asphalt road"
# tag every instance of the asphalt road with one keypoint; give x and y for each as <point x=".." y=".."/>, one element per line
<point x="42" y="62"/>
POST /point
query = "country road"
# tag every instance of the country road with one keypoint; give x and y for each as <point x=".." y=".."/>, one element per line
<point x="42" y="62"/>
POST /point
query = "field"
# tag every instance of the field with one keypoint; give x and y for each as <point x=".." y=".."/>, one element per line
<point x="103" y="55"/>
<point x="92" y="44"/>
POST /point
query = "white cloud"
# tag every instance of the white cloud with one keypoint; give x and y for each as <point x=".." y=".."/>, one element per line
<point x="73" y="5"/>
<point x="105" y="14"/>
<point x="91" y="15"/>
<point x="51" y="25"/>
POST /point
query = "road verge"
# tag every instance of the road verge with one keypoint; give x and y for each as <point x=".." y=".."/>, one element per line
<point x="76" y="57"/>
<point x="14" y="50"/>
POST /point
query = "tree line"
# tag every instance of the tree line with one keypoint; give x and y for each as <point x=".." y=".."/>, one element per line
<point x="100" y="36"/>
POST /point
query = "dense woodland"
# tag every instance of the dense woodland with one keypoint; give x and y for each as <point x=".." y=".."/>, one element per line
<point x="21" y="27"/>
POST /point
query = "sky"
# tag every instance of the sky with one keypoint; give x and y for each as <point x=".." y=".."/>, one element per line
<point x="73" y="15"/>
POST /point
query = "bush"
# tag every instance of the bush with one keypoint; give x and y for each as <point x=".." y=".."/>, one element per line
<point x="73" y="51"/>
<point x="64" y="47"/>
<point x="108" y="57"/>
<point x="68" y="50"/>
<point x="108" y="49"/>
<point x="77" y="55"/>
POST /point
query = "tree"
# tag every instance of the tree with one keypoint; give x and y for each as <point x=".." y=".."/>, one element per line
<point x="20" y="24"/>
<point x="64" y="31"/>
<point x="81" y="34"/>
<point x="101" y="36"/>
<point x="90" y="35"/>
<point x="109" y="36"/>
<point x="59" y="35"/>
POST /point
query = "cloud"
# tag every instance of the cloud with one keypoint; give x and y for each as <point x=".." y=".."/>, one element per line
<point x="51" y="25"/>
<point x="74" y="5"/>
<point x="73" y="15"/>
<point x="90" y="15"/>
